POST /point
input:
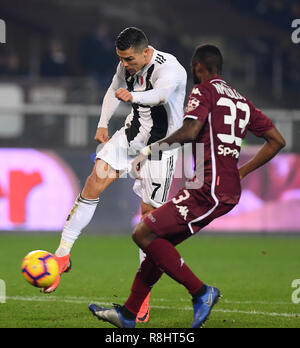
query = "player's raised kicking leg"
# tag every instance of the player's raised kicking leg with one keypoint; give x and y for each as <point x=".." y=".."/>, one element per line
<point x="81" y="214"/>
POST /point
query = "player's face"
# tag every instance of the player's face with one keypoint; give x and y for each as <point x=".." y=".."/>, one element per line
<point x="133" y="60"/>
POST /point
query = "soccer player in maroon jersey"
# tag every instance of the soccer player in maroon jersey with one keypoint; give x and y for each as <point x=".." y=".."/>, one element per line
<point x="219" y="117"/>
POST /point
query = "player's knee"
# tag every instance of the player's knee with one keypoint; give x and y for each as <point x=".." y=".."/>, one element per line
<point x="142" y="235"/>
<point x="137" y="233"/>
<point x="99" y="179"/>
<point x="104" y="172"/>
<point x="93" y="181"/>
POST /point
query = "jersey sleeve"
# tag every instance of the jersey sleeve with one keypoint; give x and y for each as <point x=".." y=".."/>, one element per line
<point x="110" y="102"/>
<point x="259" y="123"/>
<point x="166" y="80"/>
<point x="199" y="104"/>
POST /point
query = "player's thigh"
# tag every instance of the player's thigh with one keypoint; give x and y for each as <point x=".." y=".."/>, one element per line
<point x="206" y="218"/>
<point x="185" y="215"/>
<point x="102" y="176"/>
<point x="115" y="152"/>
<point x="166" y="223"/>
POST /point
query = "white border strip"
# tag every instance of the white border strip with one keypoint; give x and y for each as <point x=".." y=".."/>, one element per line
<point x="214" y="175"/>
<point x="217" y="80"/>
<point x="191" y="116"/>
<point x="106" y="302"/>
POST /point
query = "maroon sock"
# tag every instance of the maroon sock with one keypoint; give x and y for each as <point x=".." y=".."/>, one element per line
<point x="146" y="277"/>
<point x="165" y="256"/>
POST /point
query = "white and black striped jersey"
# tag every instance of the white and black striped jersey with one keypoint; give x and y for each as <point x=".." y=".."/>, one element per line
<point x="158" y="92"/>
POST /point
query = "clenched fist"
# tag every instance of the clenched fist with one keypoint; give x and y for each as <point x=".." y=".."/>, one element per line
<point x="124" y="95"/>
<point x="102" y="135"/>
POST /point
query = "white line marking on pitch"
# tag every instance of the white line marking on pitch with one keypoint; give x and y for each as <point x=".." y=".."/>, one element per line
<point x="102" y="301"/>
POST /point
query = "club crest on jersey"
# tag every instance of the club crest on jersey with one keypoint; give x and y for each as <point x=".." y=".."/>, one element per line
<point x="193" y="103"/>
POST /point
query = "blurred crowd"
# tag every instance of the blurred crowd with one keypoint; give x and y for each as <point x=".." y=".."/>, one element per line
<point x="94" y="56"/>
<point x="279" y="12"/>
<point x="10" y="65"/>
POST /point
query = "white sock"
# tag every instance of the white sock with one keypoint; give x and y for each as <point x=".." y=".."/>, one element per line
<point x="64" y="248"/>
<point x="80" y="216"/>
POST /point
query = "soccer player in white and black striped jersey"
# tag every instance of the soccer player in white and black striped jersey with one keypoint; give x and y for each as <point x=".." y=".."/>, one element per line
<point x="154" y="83"/>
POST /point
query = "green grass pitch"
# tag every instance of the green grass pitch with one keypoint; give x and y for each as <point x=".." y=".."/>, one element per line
<point x="254" y="274"/>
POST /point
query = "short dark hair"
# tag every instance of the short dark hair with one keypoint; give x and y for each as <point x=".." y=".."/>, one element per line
<point x="131" y="37"/>
<point x="210" y="56"/>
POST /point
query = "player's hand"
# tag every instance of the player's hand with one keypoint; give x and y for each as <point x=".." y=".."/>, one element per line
<point x="102" y="135"/>
<point x="124" y="95"/>
<point x="140" y="160"/>
<point x="137" y="164"/>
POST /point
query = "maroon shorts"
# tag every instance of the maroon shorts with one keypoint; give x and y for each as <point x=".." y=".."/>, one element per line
<point x="186" y="214"/>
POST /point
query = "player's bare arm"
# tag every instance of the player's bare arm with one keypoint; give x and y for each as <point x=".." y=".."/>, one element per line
<point x="186" y="134"/>
<point x="274" y="143"/>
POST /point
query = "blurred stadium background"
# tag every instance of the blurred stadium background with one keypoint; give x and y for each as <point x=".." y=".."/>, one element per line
<point x="57" y="62"/>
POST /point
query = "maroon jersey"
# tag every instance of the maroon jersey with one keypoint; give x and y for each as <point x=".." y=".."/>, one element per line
<point x="226" y="116"/>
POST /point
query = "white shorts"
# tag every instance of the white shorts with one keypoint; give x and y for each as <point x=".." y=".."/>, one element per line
<point x="157" y="175"/>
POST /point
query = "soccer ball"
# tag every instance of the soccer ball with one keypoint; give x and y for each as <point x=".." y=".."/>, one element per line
<point x="40" y="268"/>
